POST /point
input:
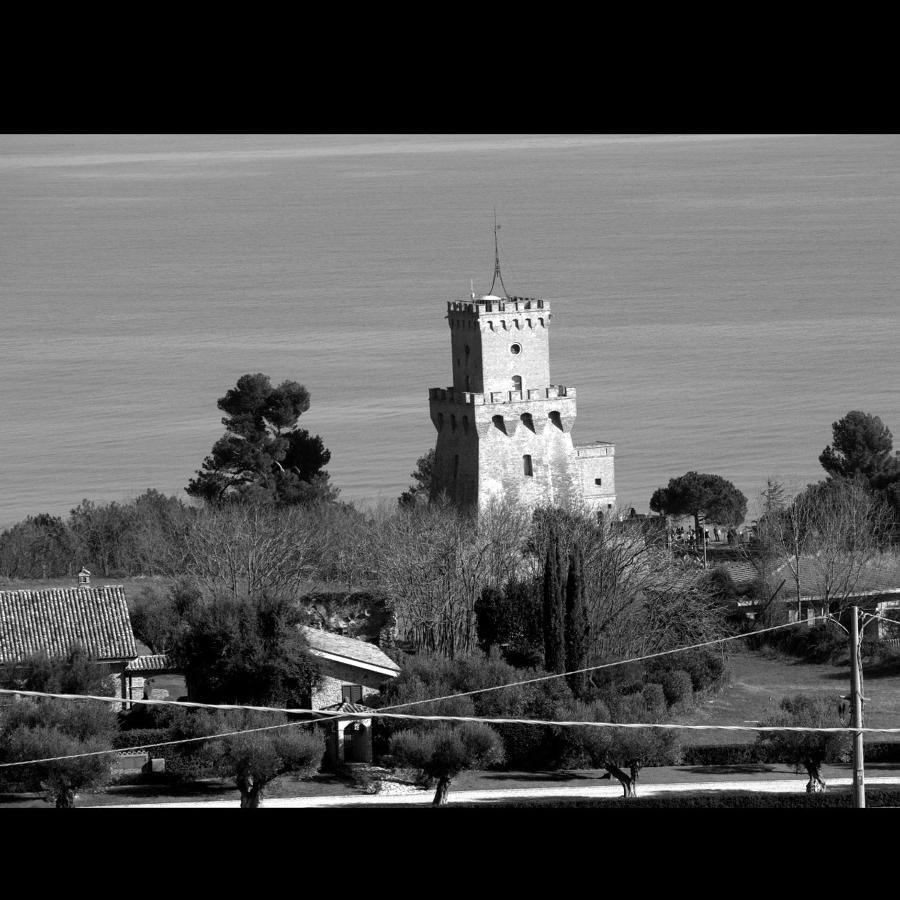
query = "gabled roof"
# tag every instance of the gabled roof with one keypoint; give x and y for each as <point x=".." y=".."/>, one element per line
<point x="151" y="663"/>
<point x="880" y="575"/>
<point x="742" y="571"/>
<point x="336" y="647"/>
<point x="52" y="621"/>
<point x="346" y="706"/>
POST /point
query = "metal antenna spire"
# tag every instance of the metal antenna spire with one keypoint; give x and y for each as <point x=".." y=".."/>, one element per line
<point x="497" y="260"/>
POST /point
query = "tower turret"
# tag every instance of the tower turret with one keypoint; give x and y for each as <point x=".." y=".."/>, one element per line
<point x="504" y="430"/>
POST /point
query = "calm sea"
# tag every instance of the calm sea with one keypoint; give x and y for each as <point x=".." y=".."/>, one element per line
<point x="719" y="301"/>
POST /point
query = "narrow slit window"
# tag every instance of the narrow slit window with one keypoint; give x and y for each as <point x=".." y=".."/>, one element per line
<point x="529" y="468"/>
<point x="456" y="466"/>
<point x="517" y="383"/>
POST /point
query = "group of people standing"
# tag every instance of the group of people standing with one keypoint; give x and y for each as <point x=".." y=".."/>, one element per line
<point x="693" y="538"/>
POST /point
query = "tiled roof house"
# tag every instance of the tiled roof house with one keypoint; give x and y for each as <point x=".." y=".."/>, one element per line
<point x="874" y="586"/>
<point x="54" y="620"/>
<point x="351" y="670"/>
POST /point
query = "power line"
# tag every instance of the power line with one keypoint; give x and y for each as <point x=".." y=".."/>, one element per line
<point x="383" y="711"/>
<point x="290" y="710"/>
<point x="622" y="662"/>
<point x="555" y="723"/>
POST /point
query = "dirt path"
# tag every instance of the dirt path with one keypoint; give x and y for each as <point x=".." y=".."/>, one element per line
<point x="775" y="785"/>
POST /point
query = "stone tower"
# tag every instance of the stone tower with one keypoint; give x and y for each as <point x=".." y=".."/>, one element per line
<point x="504" y="430"/>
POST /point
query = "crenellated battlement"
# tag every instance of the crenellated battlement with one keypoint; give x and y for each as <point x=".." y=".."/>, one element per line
<point x="504" y="430"/>
<point x="484" y="305"/>
<point x="554" y="392"/>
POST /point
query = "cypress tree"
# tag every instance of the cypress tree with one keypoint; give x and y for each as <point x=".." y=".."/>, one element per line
<point x="554" y="610"/>
<point x="576" y="625"/>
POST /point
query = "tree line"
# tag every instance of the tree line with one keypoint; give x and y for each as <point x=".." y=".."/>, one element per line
<point x="479" y="600"/>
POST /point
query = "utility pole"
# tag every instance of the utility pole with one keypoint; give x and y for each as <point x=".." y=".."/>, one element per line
<point x="859" y="786"/>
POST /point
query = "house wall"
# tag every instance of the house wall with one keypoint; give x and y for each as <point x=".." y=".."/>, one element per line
<point x="597" y="461"/>
<point x="335" y="675"/>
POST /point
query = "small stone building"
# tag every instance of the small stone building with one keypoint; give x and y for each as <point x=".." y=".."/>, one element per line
<point x="351" y="671"/>
<point x="54" y="620"/>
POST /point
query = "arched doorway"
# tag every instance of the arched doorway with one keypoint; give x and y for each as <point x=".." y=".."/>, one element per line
<point x="357" y="744"/>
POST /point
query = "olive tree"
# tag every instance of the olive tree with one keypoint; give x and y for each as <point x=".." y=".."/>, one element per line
<point x="441" y="752"/>
<point x="807" y="750"/>
<point x="41" y="729"/>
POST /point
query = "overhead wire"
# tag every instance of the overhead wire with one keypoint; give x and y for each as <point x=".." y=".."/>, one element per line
<point x="383" y="712"/>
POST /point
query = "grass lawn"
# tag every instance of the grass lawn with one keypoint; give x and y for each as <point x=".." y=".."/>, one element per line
<point x="758" y="681"/>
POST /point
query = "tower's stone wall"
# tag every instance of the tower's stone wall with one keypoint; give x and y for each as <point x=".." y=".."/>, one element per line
<point x="504" y="431"/>
<point x="483" y="333"/>
<point x="596" y="464"/>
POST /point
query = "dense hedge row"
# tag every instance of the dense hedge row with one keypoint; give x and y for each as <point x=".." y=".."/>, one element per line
<point x="737" y="754"/>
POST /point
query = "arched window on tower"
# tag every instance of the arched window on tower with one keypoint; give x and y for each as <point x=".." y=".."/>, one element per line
<point x="465" y="424"/>
<point x="452" y="422"/>
<point x="529" y="469"/>
<point x="517" y="382"/>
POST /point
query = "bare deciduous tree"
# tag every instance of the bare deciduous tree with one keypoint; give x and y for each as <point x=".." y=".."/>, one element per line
<point x="823" y="539"/>
<point x="435" y="561"/>
<point x="248" y="549"/>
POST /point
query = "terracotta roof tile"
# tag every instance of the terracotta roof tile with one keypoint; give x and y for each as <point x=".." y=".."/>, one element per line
<point x="53" y="620"/>
<point x="879" y="574"/>
<point x="150" y="662"/>
<point x="345" y="706"/>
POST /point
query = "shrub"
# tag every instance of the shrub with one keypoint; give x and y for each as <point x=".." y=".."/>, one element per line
<point x="677" y="687"/>
<point x="431" y="675"/>
<point x="654" y="698"/>
<point x="705" y="669"/>
<point x="820" y="643"/>
<point x="723" y="754"/>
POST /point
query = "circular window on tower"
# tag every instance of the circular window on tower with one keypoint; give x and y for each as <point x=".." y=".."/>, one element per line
<point x="515" y="349"/>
